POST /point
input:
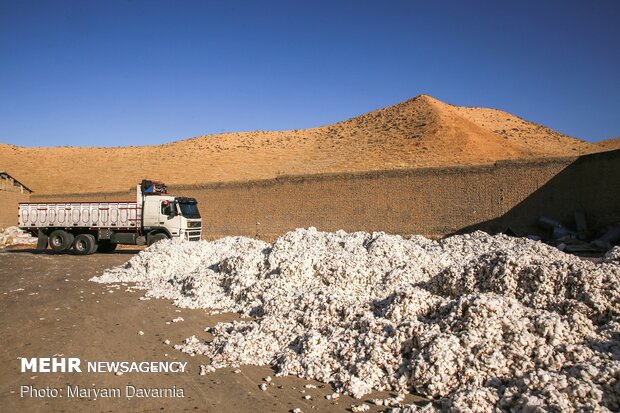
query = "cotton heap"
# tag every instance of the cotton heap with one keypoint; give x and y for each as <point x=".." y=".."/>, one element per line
<point x="474" y="321"/>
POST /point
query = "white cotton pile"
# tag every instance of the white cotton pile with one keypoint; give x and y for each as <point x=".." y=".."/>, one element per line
<point x="15" y="236"/>
<point x="475" y="322"/>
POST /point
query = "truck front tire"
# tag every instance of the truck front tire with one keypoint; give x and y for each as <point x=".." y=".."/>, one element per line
<point x="60" y="240"/>
<point x="84" y="244"/>
<point x="157" y="237"/>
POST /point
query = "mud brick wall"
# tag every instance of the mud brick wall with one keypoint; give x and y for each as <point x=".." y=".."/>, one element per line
<point x="432" y="201"/>
<point x="8" y="206"/>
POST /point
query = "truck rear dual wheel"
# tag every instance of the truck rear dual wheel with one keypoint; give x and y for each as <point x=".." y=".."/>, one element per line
<point x="60" y="240"/>
<point x="84" y="244"/>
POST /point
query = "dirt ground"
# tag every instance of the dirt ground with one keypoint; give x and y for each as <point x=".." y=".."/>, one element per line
<point x="49" y="308"/>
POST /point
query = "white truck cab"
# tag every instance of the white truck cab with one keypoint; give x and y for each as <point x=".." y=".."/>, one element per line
<point x="167" y="216"/>
<point x="178" y="216"/>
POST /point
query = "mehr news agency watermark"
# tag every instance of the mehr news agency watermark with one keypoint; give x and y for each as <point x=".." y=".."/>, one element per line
<point x="74" y="365"/>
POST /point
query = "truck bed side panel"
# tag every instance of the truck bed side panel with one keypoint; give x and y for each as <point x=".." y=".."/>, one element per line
<point x="119" y="215"/>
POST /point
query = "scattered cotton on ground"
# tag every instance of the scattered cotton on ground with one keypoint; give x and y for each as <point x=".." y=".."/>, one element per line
<point x="474" y="322"/>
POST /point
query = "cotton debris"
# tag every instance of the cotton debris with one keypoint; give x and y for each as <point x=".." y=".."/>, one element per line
<point x="474" y="322"/>
<point x="15" y="236"/>
<point x="613" y="255"/>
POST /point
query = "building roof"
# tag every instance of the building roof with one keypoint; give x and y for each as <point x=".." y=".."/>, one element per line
<point x="4" y="174"/>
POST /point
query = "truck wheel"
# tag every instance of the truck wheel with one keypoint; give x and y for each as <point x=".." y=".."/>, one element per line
<point x="106" y="247"/>
<point x="60" y="240"/>
<point x="84" y="244"/>
<point x="157" y="237"/>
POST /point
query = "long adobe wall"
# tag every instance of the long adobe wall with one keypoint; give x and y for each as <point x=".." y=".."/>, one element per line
<point x="431" y="201"/>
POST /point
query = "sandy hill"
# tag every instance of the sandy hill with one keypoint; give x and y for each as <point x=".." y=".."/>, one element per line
<point x="609" y="144"/>
<point x="416" y="133"/>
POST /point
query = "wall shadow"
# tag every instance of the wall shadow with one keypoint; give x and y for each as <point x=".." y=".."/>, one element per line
<point x="590" y="184"/>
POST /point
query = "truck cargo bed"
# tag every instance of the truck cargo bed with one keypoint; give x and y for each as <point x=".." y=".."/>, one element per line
<point x="113" y="215"/>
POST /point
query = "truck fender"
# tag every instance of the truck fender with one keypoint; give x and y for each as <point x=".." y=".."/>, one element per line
<point x="157" y="230"/>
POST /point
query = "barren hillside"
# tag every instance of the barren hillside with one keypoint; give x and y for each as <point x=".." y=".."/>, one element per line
<point x="418" y="132"/>
<point x="609" y="144"/>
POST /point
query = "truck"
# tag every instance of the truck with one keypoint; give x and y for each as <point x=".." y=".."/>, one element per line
<point x="87" y="227"/>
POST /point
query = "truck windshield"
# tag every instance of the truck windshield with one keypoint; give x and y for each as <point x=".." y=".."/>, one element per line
<point x="189" y="209"/>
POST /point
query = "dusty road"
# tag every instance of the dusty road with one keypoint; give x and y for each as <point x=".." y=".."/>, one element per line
<point x="49" y="308"/>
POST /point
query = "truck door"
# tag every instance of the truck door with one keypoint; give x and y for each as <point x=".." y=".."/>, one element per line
<point x="170" y="217"/>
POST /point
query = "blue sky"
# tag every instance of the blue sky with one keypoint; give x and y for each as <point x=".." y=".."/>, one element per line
<point x="112" y="73"/>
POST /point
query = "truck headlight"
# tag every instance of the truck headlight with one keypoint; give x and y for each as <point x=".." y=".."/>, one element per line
<point x="193" y="224"/>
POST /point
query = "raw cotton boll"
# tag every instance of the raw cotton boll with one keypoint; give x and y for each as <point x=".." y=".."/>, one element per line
<point x="412" y="408"/>
<point x="358" y="387"/>
<point x="613" y="255"/>
<point x="486" y="336"/>
<point x="238" y="338"/>
<point x="557" y="392"/>
<point x="237" y="268"/>
<point x="477" y="400"/>
<point x="409" y="303"/>
<point x="536" y="281"/>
